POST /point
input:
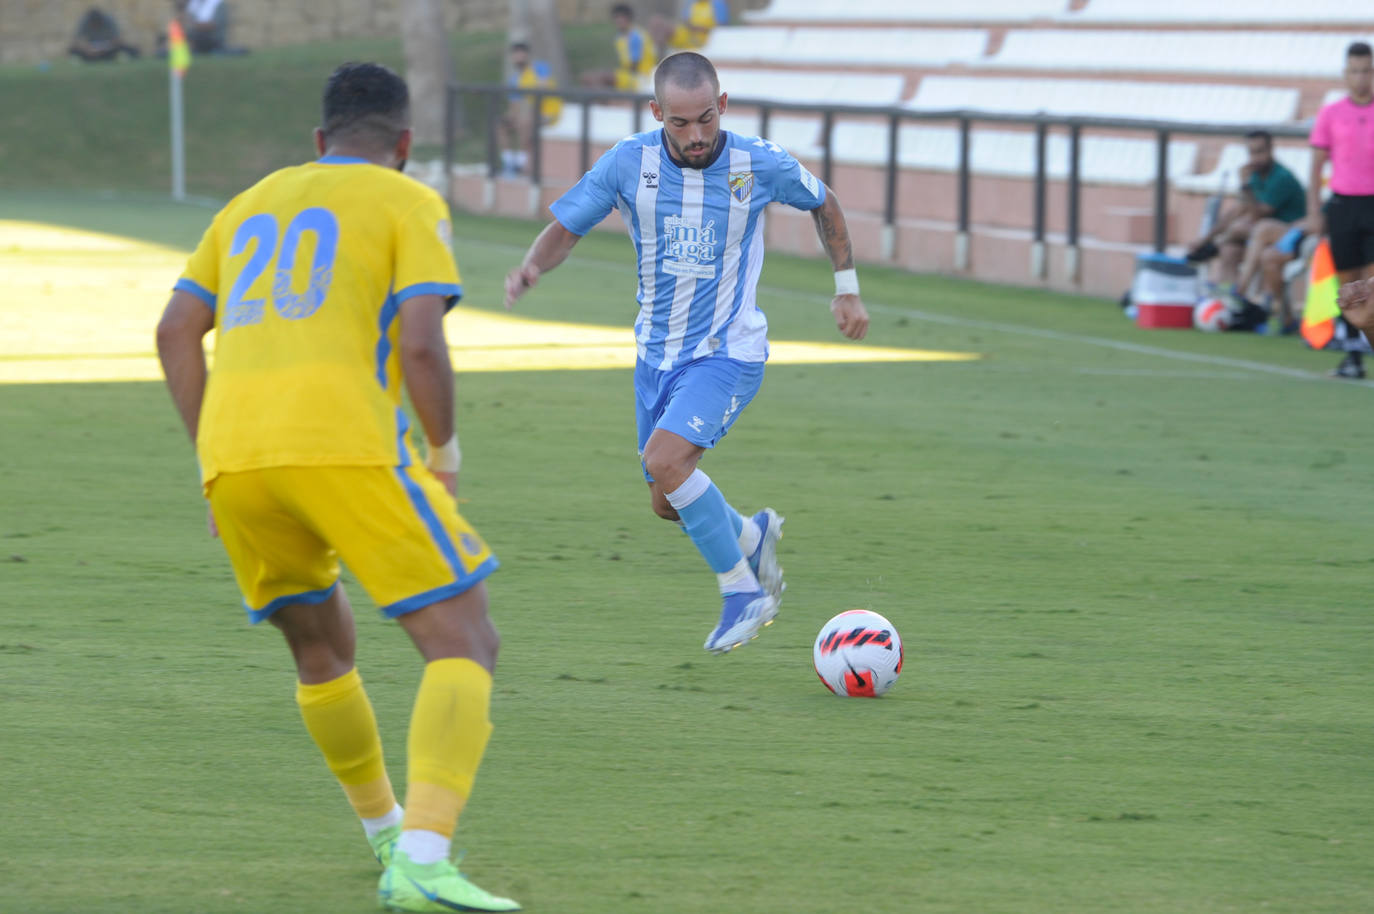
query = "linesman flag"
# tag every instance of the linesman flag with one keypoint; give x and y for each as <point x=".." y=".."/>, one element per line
<point x="178" y="51"/>
<point x="1319" y="316"/>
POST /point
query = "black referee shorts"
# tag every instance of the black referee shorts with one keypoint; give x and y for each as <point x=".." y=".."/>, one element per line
<point x="1350" y="223"/>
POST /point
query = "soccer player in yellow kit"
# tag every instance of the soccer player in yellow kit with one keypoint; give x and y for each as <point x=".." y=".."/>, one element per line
<point x="327" y="284"/>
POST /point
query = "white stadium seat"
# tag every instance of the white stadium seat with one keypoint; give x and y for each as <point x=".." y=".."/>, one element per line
<point x="1259" y="53"/>
<point x="812" y="87"/>
<point x="1207" y="103"/>
<point x="1008" y="153"/>
<point x="1250" y="12"/>
<point x="858" y="47"/>
<point x="747" y="44"/>
<point x="906" y="11"/>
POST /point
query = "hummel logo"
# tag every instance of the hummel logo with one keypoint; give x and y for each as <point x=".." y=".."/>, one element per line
<point x="734" y="405"/>
<point x="697" y="423"/>
<point x="650" y="180"/>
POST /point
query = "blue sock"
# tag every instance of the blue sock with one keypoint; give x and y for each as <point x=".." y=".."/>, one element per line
<point x="707" y="518"/>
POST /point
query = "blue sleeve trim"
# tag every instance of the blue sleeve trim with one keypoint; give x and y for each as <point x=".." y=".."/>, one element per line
<point x="310" y="598"/>
<point x="196" y="289"/>
<point x="722" y="12"/>
<point x="450" y="291"/>
<point x="542" y="69"/>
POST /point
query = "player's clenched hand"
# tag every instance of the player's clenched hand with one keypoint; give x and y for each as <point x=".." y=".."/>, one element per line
<point x="520" y="279"/>
<point x="850" y="316"/>
<point x="1357" y="303"/>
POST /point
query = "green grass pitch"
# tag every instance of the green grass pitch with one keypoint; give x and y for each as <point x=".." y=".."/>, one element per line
<point x="1131" y="571"/>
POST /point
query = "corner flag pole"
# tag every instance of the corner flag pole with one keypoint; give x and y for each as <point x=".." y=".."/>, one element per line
<point x="178" y="60"/>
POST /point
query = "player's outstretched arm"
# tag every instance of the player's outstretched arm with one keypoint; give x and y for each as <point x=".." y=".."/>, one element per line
<point x="429" y="381"/>
<point x="548" y="251"/>
<point x="180" y="333"/>
<point x="850" y="315"/>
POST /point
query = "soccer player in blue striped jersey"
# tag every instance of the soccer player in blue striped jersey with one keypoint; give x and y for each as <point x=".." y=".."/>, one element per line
<point x="693" y="197"/>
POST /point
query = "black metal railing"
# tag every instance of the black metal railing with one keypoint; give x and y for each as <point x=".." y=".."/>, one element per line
<point x="895" y="117"/>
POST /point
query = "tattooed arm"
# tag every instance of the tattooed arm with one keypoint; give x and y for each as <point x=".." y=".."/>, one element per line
<point x="850" y="315"/>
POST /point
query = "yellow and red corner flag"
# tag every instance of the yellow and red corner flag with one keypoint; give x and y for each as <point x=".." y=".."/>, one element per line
<point x="178" y="51"/>
<point x="1319" y="316"/>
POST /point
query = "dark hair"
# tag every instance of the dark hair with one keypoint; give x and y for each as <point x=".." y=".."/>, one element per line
<point x="1261" y="135"/>
<point x="686" y="69"/>
<point x="519" y="46"/>
<point x="1359" y="49"/>
<point x="365" y="102"/>
<point x="622" y="9"/>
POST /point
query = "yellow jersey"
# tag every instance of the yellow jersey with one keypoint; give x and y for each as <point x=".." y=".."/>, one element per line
<point x="699" y="17"/>
<point x="635" y="57"/>
<point x="539" y="75"/>
<point x="306" y="272"/>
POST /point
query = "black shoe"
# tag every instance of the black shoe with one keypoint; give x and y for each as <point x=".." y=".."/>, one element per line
<point x="1351" y="367"/>
<point x="1290" y="328"/>
<point x="1203" y="252"/>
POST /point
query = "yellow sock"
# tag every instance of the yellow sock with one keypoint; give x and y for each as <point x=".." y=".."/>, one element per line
<point x="448" y="734"/>
<point x="340" y="720"/>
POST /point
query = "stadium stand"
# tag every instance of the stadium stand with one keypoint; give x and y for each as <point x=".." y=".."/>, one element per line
<point x="1007" y="153"/>
<point x="1220" y="12"/>
<point x="1204" y="103"/>
<point x="1229" y="53"/>
<point x="1231" y="65"/>
<point x="895" y="11"/>
<point x="858" y="47"/>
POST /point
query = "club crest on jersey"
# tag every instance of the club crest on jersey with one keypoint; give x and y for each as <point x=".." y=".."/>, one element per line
<point x="741" y="185"/>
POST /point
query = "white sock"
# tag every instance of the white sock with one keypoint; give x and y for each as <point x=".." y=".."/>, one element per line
<point x="749" y="536"/>
<point x="738" y="579"/>
<point x="423" y="846"/>
<point x="394" y="817"/>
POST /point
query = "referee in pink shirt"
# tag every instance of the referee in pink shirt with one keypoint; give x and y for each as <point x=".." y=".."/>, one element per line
<point x="1344" y="135"/>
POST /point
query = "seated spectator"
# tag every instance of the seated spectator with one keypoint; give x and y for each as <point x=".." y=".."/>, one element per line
<point x="635" y="57"/>
<point x="517" y="124"/>
<point x="1271" y="199"/>
<point x="97" y="38"/>
<point x="1273" y="263"/>
<point x="691" y="32"/>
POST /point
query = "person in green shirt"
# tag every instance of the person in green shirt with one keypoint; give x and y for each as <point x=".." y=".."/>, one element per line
<point x="1271" y="199"/>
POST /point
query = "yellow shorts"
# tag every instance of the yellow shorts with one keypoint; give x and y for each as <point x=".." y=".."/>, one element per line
<point x="397" y="529"/>
<point x="627" y="81"/>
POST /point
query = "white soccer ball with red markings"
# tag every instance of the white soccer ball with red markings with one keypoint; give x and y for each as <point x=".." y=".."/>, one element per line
<point x="858" y="654"/>
<point x="1211" y="315"/>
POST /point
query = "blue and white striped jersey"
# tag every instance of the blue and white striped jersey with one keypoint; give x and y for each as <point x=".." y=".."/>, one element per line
<point x="698" y="234"/>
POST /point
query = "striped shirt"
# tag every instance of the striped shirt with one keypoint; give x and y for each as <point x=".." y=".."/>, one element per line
<point x="698" y="234"/>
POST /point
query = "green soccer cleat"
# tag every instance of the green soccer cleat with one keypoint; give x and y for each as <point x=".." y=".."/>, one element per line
<point x="430" y="887"/>
<point x="384" y="844"/>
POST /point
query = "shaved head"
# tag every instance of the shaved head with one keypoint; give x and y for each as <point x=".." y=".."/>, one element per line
<point x="684" y="70"/>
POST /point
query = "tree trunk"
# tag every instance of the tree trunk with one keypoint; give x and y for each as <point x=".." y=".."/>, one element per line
<point x="428" y="66"/>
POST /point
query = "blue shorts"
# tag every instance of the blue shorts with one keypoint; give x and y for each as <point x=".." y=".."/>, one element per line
<point x="699" y="401"/>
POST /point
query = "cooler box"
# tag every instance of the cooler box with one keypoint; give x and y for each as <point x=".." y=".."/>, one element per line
<point x="1164" y="291"/>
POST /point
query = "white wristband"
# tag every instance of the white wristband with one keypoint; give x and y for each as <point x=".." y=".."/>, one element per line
<point x="847" y="282"/>
<point x="445" y="458"/>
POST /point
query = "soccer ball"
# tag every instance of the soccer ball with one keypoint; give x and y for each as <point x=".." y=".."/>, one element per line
<point x="858" y="654"/>
<point x="1211" y="315"/>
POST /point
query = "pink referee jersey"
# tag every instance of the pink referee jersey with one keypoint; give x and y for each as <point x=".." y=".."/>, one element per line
<point x="1346" y="131"/>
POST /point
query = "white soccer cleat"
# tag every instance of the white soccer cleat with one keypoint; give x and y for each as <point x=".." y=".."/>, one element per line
<point x="742" y="616"/>
<point x="763" y="561"/>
